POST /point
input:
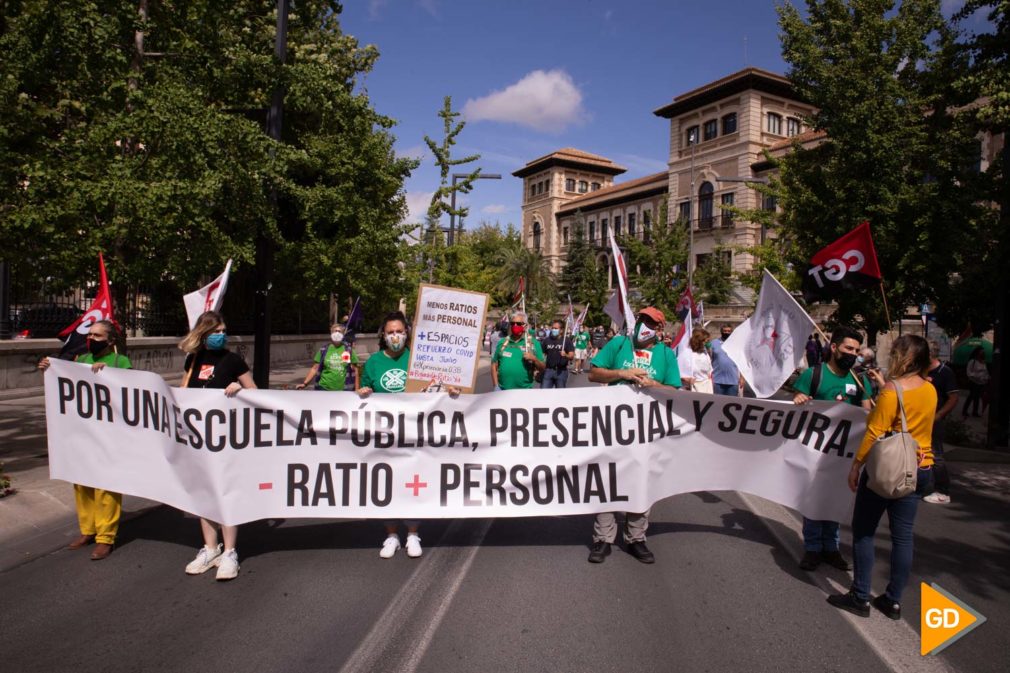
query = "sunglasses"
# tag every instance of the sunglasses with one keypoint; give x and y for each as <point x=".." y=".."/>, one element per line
<point x="517" y="323"/>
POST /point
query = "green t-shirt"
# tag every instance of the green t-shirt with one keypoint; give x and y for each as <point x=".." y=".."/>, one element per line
<point x="833" y="388"/>
<point x="582" y="340"/>
<point x="384" y="374"/>
<point x="334" y="366"/>
<point x="659" y="361"/>
<point x="116" y="360"/>
<point x="513" y="372"/>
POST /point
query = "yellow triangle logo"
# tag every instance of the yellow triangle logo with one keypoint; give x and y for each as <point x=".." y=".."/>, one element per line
<point x="944" y="619"/>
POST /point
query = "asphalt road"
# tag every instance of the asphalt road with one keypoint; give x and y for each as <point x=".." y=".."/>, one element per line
<point x="505" y="595"/>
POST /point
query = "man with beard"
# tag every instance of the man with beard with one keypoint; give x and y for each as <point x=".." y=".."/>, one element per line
<point x="831" y="381"/>
<point x="642" y="360"/>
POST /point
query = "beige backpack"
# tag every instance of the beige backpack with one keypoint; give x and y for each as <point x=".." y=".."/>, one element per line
<point x="893" y="461"/>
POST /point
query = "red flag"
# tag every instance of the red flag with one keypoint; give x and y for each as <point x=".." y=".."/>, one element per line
<point x="848" y="263"/>
<point x="520" y="292"/>
<point x="101" y="309"/>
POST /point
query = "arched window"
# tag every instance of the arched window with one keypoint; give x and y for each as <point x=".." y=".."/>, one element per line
<point x="536" y="235"/>
<point x="705" y="218"/>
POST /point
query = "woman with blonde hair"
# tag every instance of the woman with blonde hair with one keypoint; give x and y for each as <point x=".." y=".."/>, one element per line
<point x="907" y="391"/>
<point x="98" y="510"/>
<point x="209" y="364"/>
<point x="701" y="362"/>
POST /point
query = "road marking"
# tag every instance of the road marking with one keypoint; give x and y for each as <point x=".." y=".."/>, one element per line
<point x="896" y="643"/>
<point x="401" y="636"/>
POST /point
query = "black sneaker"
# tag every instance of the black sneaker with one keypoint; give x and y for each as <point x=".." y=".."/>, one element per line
<point x="599" y="552"/>
<point x="850" y="603"/>
<point x="641" y="552"/>
<point x="835" y="560"/>
<point x="890" y="609"/>
<point x="810" y="560"/>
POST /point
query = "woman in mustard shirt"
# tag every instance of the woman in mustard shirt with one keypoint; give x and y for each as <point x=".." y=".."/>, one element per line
<point x="909" y="367"/>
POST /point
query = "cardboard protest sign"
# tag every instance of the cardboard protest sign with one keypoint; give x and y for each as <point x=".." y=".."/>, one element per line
<point x="446" y="339"/>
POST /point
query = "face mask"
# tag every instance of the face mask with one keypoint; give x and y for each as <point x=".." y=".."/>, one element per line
<point x="337" y="336"/>
<point x="96" y="346"/>
<point x="643" y="334"/>
<point x="217" y="341"/>
<point x="555" y="332"/>
<point x="396" y="341"/>
<point x="860" y="360"/>
<point x="517" y="330"/>
<point x="845" y="361"/>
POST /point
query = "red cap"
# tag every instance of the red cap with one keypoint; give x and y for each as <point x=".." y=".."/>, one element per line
<point x="655" y="314"/>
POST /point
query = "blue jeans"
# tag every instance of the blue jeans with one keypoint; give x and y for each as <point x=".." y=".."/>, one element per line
<point x="731" y="389"/>
<point x="554" y="378"/>
<point x="820" y="536"/>
<point x="868" y="511"/>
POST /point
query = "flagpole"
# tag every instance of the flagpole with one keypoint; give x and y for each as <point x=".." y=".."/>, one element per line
<point x="887" y="311"/>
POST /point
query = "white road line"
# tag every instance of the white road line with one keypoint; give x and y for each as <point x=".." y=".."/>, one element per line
<point x="895" y="642"/>
<point x="401" y="636"/>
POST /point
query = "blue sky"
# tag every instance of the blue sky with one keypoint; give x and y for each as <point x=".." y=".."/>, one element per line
<point x="536" y="76"/>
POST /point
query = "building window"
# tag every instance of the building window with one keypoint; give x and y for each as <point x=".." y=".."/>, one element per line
<point x="594" y="186"/>
<point x="617" y="225"/>
<point x="710" y="130"/>
<point x="684" y="214"/>
<point x="729" y="123"/>
<point x="705" y="218"/>
<point x="631" y="224"/>
<point x="646" y="225"/>
<point x="533" y="189"/>
<point x="769" y="202"/>
<point x="564" y="236"/>
<point x="775" y="123"/>
<point x="692" y="135"/>
<point x="727" y="215"/>
<point x="536" y="235"/>
<point x="793" y="126"/>
<point x="604" y="230"/>
<point x="592" y="232"/>
<point x="583" y="186"/>
<point x="544" y="187"/>
<point x="570" y="185"/>
<point x="705" y="258"/>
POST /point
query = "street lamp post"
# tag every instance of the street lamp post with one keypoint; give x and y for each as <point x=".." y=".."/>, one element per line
<point x="452" y="215"/>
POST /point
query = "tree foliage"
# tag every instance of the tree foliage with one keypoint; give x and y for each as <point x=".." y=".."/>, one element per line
<point x="136" y="129"/>
<point x="657" y="265"/>
<point x="583" y="277"/>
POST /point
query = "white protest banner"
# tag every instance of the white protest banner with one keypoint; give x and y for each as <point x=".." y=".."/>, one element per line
<point x="281" y="454"/>
<point x="207" y="298"/>
<point x="771" y="344"/>
<point x="447" y="338"/>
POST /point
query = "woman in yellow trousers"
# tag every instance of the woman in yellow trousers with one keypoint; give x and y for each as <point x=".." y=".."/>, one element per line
<point x="98" y="510"/>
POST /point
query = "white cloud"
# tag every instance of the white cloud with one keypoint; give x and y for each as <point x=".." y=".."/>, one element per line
<point x="494" y="209"/>
<point x="414" y="152"/>
<point x="417" y="206"/>
<point x="544" y="101"/>
<point x="375" y="8"/>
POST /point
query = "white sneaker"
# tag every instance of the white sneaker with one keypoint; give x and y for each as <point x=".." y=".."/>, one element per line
<point x="390" y="546"/>
<point x="205" y="559"/>
<point x="414" y="546"/>
<point x="937" y="498"/>
<point x="227" y="568"/>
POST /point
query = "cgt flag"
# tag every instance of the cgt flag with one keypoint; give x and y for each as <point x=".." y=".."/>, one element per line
<point x="848" y="263"/>
<point x="769" y="345"/>
<point x="207" y="298"/>
<point x="101" y="309"/>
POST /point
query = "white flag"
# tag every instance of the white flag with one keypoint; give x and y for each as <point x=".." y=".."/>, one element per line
<point x="622" y="285"/>
<point x="685" y="361"/>
<point x="613" y="309"/>
<point x="207" y="298"/>
<point x="769" y="346"/>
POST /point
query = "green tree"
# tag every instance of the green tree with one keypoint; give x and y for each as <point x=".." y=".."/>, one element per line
<point x="441" y="199"/>
<point x="583" y="278"/>
<point x="713" y="279"/>
<point x="657" y="265"/>
<point x="541" y="290"/>
<point x="895" y="153"/>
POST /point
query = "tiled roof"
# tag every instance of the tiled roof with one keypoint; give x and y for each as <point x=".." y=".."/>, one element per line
<point x="804" y="137"/>
<point x="654" y="181"/>
<point x="570" y="156"/>
<point x="748" y="78"/>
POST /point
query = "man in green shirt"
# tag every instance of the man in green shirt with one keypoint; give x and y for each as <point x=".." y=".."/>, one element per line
<point x="517" y="357"/>
<point x="831" y="381"/>
<point x="581" y="349"/>
<point x="645" y="361"/>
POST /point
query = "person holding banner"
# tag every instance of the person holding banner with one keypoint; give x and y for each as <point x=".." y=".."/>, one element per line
<point x="644" y="361"/>
<point x="98" y="510"/>
<point x="332" y="364"/>
<point x="209" y="364"/>
<point x="909" y="371"/>
<point x="831" y="381"/>
<point x="517" y="358"/>
<point x="386" y="372"/>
